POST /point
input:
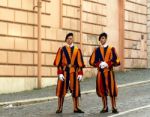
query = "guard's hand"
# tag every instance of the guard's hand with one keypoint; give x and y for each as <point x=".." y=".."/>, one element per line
<point x="103" y="65"/>
<point x="80" y="77"/>
<point x="61" y="77"/>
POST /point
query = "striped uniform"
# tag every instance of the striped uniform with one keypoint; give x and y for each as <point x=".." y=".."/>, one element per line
<point x="69" y="62"/>
<point x="105" y="82"/>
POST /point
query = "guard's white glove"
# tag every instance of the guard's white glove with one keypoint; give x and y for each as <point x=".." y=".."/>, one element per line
<point x="79" y="77"/>
<point x="106" y="65"/>
<point x="103" y="65"/>
<point x="61" y="77"/>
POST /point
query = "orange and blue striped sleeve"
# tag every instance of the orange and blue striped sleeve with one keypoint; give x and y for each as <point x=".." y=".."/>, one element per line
<point x="80" y="62"/>
<point x="58" y="61"/>
<point x="115" y="61"/>
<point x="92" y="61"/>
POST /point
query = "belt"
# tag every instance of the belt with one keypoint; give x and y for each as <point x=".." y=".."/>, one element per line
<point x="69" y="66"/>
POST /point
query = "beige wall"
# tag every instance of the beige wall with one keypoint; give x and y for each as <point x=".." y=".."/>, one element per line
<point x="18" y="47"/>
<point x="148" y="29"/>
<point x="13" y="84"/>
<point x="112" y="23"/>
<point x="18" y="36"/>
<point x="135" y="28"/>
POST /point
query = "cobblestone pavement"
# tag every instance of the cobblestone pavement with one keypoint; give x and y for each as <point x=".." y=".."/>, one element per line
<point x="129" y="98"/>
<point x="87" y="84"/>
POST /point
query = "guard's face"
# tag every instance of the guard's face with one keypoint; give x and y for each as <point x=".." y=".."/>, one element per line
<point x="69" y="40"/>
<point x="103" y="40"/>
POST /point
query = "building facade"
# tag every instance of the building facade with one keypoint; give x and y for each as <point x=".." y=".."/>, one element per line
<point x="125" y="21"/>
<point x="148" y="32"/>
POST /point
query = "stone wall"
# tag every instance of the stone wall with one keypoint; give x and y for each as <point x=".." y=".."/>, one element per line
<point x="148" y="31"/>
<point x="18" y="47"/>
<point x="135" y="34"/>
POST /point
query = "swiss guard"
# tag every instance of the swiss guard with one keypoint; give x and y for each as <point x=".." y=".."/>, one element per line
<point x="69" y="62"/>
<point x="104" y="58"/>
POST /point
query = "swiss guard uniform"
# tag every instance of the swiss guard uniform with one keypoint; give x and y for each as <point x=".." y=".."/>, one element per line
<point x="105" y="83"/>
<point x="104" y="58"/>
<point x="69" y="62"/>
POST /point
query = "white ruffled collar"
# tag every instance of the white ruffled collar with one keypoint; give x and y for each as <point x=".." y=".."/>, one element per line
<point x="104" y="46"/>
<point x="70" y="45"/>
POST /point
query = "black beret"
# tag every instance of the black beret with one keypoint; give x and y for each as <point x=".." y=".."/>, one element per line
<point x="69" y="34"/>
<point x="103" y="34"/>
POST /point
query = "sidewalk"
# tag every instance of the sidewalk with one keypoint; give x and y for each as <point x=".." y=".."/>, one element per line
<point x="87" y="84"/>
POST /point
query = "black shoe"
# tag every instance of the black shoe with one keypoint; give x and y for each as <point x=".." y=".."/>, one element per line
<point x="59" y="111"/>
<point x="104" y="110"/>
<point x="115" y="111"/>
<point x="78" y="111"/>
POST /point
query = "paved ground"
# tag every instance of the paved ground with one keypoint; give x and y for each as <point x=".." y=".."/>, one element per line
<point x="129" y="98"/>
<point x="87" y="84"/>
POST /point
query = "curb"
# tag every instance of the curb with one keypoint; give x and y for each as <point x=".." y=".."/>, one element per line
<point x="45" y="99"/>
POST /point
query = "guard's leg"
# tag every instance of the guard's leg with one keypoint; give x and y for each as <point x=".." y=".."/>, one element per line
<point x="76" y="105"/>
<point x="105" y="106"/>
<point x="60" y="104"/>
<point x="113" y="103"/>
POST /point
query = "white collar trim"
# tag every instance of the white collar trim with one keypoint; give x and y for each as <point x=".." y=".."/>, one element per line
<point x="105" y="45"/>
<point x="71" y="45"/>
